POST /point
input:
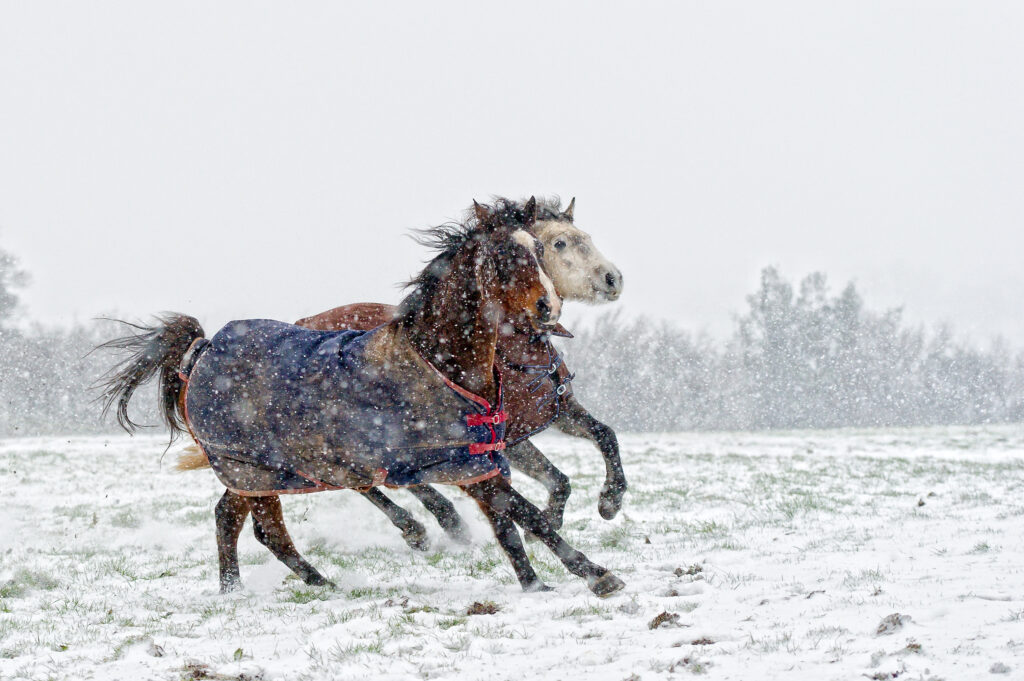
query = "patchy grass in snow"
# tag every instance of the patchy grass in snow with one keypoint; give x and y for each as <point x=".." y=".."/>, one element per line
<point x="779" y="552"/>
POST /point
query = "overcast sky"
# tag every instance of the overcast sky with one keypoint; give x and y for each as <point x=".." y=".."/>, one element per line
<point x="244" y="159"/>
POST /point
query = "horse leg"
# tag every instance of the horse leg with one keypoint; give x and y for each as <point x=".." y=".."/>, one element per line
<point x="231" y="511"/>
<point x="577" y="421"/>
<point x="413" y="532"/>
<point x="530" y="460"/>
<point x="508" y="538"/>
<point x="268" y="521"/>
<point x="498" y="494"/>
<point x="442" y="509"/>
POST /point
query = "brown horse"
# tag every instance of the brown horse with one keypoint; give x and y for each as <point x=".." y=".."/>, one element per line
<point x="538" y="392"/>
<point x="280" y="409"/>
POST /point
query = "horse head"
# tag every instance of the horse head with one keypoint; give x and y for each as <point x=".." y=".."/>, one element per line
<point x="491" y="261"/>
<point x="578" y="270"/>
<point x="510" y="263"/>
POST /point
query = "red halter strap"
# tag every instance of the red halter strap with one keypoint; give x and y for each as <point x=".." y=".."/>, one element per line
<point x="486" y="419"/>
<point x="480" y="448"/>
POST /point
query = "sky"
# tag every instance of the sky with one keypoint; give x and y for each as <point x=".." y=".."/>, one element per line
<point x="256" y="159"/>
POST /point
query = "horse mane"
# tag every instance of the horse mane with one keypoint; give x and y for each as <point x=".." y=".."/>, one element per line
<point x="448" y="239"/>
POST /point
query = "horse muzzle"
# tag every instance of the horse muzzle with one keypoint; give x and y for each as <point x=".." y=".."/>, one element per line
<point x="611" y="287"/>
<point x="548" y="310"/>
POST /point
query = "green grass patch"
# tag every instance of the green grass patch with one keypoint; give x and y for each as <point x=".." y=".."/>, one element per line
<point x="449" y="622"/>
<point x="24" y="580"/>
<point x="307" y="594"/>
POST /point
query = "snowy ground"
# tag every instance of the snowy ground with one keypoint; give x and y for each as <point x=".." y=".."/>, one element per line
<point x="776" y="556"/>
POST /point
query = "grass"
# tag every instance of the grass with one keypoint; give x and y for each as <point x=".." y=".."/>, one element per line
<point x="825" y="632"/>
<point x="126" y="518"/>
<point x="773" y="643"/>
<point x="855" y="580"/>
<point x="307" y="594"/>
<point x="122" y="647"/>
<point x="24" y="580"/>
<point x="122" y="566"/>
<point x="582" y="612"/>
<point x="766" y="529"/>
<point x="341" y="653"/>
<point x="365" y="592"/>
<point x="449" y="622"/>
<point x="615" y="538"/>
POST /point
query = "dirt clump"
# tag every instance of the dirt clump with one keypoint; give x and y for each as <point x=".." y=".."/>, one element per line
<point x="482" y="608"/>
<point x="665" y="619"/>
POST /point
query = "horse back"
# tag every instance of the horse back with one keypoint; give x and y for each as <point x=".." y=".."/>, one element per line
<point x="356" y="317"/>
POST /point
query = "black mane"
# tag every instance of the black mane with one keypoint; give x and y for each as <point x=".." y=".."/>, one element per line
<point x="451" y="237"/>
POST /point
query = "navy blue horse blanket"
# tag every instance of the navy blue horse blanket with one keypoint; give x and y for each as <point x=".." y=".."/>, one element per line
<point x="278" y="408"/>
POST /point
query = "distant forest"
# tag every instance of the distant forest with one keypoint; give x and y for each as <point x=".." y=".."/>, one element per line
<point x="797" y="358"/>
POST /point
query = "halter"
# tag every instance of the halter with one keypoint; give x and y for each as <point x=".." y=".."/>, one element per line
<point x="549" y="370"/>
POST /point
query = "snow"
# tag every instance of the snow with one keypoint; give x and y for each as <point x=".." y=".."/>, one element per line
<point x="774" y="556"/>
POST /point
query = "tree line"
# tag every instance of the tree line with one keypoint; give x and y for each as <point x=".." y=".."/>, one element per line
<point x="797" y="358"/>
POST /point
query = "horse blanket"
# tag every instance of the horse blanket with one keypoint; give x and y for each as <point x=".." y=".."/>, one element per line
<point x="536" y="381"/>
<point x="282" y="409"/>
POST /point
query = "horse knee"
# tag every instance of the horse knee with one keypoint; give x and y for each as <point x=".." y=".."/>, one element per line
<point x="605" y="437"/>
<point x="560" y="485"/>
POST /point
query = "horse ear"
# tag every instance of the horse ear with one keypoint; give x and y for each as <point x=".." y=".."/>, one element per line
<point x="567" y="213"/>
<point x="480" y="212"/>
<point x="531" y="211"/>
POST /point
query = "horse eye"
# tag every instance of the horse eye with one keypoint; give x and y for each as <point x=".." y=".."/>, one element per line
<point x="559" y="245"/>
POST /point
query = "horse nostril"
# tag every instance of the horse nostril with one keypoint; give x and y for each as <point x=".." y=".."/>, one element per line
<point x="610" y="280"/>
<point x="543" y="308"/>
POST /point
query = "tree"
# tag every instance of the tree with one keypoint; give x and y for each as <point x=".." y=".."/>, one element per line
<point x="11" y="279"/>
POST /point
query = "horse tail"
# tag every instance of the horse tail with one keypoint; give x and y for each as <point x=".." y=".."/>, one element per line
<point x="193" y="458"/>
<point x="151" y="350"/>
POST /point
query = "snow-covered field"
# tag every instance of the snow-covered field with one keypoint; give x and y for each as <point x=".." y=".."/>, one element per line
<point x="775" y="556"/>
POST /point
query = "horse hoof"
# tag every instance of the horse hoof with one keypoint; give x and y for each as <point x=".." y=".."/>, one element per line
<point x="610" y="501"/>
<point x="606" y="585"/>
<point x="554" y="521"/>
<point x="416" y="538"/>
<point x="317" y="579"/>
<point x="536" y="587"/>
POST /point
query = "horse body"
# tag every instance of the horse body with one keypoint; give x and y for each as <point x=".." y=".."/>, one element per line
<point x="537" y="384"/>
<point x="531" y="369"/>
<point x="313" y="410"/>
<point x="485" y="271"/>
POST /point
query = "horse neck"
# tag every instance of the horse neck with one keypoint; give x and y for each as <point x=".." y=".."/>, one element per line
<point x="463" y="351"/>
<point x="518" y="341"/>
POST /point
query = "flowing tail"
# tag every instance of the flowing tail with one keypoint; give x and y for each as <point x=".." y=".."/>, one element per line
<point x="151" y="349"/>
<point x="193" y="458"/>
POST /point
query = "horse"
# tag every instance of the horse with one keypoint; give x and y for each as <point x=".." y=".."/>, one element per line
<point x="278" y="408"/>
<point x="538" y="389"/>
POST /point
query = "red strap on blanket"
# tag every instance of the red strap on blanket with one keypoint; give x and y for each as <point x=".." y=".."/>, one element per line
<point x="479" y="448"/>
<point x="486" y="419"/>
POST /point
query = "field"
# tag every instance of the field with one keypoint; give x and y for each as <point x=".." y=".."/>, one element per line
<point x="813" y="555"/>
